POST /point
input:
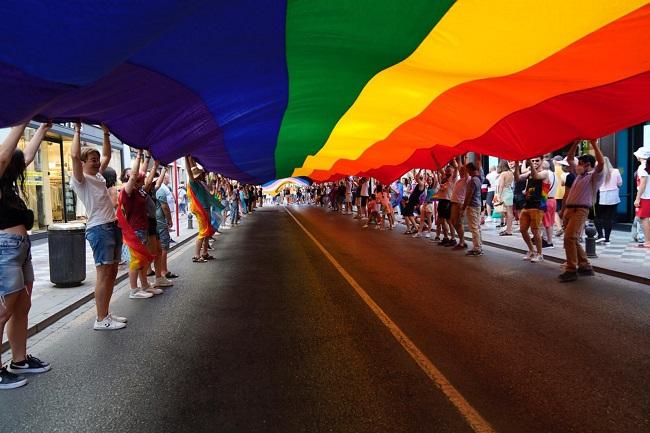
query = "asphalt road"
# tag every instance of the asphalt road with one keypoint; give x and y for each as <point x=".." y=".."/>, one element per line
<point x="271" y="338"/>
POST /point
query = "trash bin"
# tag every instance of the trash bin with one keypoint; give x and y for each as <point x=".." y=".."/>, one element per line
<point x="67" y="248"/>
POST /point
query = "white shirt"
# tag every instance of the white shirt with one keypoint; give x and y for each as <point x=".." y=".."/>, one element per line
<point x="93" y="194"/>
<point x="364" y="189"/>
<point x="646" y="193"/>
<point x="492" y="178"/>
<point x="554" y="182"/>
<point x="460" y="188"/>
<point x="609" y="189"/>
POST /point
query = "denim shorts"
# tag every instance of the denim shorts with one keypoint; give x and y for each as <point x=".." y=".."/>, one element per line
<point x="165" y="239"/>
<point x="143" y="235"/>
<point x="106" y="243"/>
<point x="15" y="263"/>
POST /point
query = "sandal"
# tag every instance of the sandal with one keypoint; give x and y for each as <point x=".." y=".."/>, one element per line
<point x="171" y="275"/>
<point x="207" y="257"/>
<point x="198" y="260"/>
<point x="505" y="234"/>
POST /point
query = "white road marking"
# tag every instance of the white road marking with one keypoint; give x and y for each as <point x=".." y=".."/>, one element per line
<point x="473" y="418"/>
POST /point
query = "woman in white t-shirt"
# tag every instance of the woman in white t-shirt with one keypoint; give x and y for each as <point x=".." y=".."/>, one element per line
<point x="608" y="200"/>
<point x="102" y="231"/>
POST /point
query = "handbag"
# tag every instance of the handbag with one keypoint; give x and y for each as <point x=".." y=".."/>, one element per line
<point x="499" y="208"/>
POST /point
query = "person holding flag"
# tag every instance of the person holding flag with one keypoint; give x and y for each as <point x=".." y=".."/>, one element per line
<point x="132" y="216"/>
<point x="200" y="202"/>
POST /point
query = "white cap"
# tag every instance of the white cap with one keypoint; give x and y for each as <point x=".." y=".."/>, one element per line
<point x="643" y="153"/>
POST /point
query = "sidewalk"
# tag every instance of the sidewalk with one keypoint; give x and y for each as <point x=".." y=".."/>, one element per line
<point x="50" y="303"/>
<point x="622" y="258"/>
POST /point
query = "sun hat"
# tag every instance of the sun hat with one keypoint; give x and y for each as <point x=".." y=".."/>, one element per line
<point x="643" y="152"/>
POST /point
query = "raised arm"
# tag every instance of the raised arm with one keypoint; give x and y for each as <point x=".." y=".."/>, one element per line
<point x="149" y="179"/>
<point x="135" y="171"/>
<point x="75" y="152"/>
<point x="571" y="156"/>
<point x="8" y="146"/>
<point x="600" y="159"/>
<point x="145" y="162"/>
<point x="106" y="149"/>
<point x="161" y="178"/>
<point x="35" y="142"/>
<point x="189" y="163"/>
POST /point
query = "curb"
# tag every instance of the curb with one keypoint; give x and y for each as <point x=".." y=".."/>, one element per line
<point x="598" y="269"/>
<point x="38" y="327"/>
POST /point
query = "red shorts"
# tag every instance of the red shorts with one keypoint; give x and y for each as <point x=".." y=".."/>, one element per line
<point x="644" y="209"/>
<point x="549" y="214"/>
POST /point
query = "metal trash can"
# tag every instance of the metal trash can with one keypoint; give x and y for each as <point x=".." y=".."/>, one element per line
<point x="67" y="249"/>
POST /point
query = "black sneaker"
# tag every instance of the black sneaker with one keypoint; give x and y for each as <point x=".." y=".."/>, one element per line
<point x="451" y="243"/>
<point x="444" y="242"/>
<point x="568" y="276"/>
<point x="29" y="366"/>
<point x="587" y="272"/>
<point x="546" y="244"/>
<point x="9" y="380"/>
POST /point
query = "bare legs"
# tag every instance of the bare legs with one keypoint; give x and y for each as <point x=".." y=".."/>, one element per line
<point x="106" y="275"/>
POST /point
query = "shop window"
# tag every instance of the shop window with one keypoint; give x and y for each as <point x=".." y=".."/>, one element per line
<point x="34" y="184"/>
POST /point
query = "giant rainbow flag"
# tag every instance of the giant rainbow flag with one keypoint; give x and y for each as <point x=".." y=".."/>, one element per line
<point x="265" y="89"/>
<point x="276" y="186"/>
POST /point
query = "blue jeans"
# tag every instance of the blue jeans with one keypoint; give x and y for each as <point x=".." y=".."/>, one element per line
<point x="233" y="212"/>
<point x="15" y="263"/>
<point x="106" y="243"/>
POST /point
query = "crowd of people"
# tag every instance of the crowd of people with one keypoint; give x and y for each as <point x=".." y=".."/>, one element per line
<point x="547" y="197"/>
<point x="138" y="215"/>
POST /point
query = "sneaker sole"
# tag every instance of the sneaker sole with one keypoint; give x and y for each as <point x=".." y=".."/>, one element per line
<point x="112" y="328"/>
<point x="140" y="296"/>
<point x="29" y="371"/>
<point x="13" y="385"/>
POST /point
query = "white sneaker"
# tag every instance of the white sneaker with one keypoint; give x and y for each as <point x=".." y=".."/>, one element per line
<point x="139" y="294"/>
<point x="428" y="235"/>
<point x="599" y="240"/>
<point x="529" y="256"/>
<point x="416" y="235"/>
<point x="537" y="258"/>
<point x="154" y="290"/>
<point x="108" y="324"/>
<point x="162" y="282"/>
<point x="117" y="318"/>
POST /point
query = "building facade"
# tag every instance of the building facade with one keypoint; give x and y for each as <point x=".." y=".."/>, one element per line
<point x="47" y="183"/>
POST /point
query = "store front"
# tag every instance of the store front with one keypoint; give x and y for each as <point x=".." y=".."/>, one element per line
<point x="47" y="182"/>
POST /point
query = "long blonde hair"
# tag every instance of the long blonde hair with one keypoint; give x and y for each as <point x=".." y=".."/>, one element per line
<point x="608" y="169"/>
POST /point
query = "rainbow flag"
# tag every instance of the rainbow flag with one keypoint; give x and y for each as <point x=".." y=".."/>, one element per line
<point x="260" y="90"/>
<point x="203" y="217"/>
<point x="276" y="186"/>
<point x="140" y="254"/>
